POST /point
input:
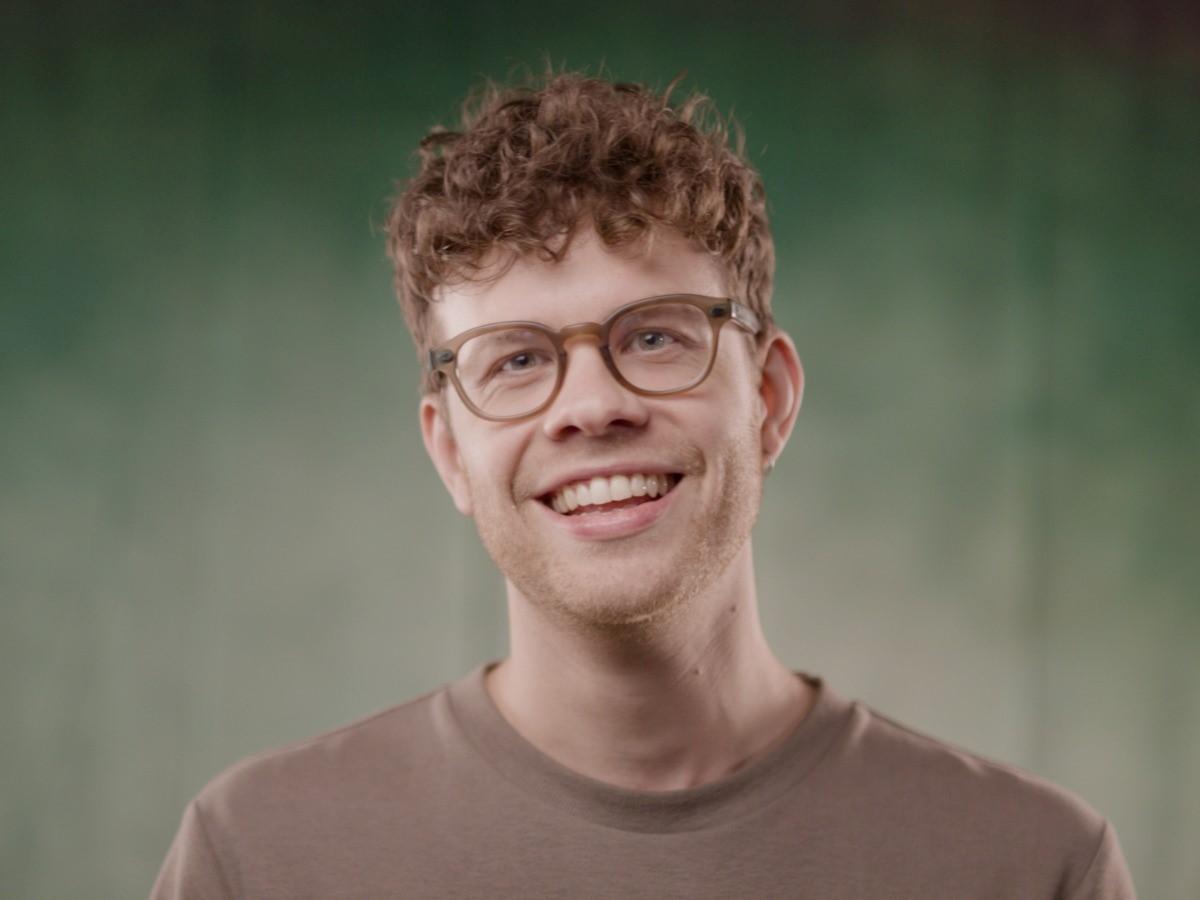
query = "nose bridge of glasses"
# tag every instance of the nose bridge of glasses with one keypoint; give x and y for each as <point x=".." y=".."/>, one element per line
<point x="596" y="393"/>
<point x="580" y="330"/>
<point x="583" y="331"/>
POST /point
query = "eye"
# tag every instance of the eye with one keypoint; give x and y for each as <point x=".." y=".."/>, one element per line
<point x="520" y="362"/>
<point x="651" y="340"/>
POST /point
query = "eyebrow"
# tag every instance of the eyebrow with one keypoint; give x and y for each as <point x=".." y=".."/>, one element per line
<point x="512" y="335"/>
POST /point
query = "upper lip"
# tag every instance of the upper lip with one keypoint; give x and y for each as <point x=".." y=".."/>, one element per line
<point x="605" y="472"/>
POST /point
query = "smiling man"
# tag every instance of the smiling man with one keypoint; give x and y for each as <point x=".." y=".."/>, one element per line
<point x="614" y="475"/>
<point x="586" y="269"/>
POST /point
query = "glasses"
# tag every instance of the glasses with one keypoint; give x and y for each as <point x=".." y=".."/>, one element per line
<point x="656" y="346"/>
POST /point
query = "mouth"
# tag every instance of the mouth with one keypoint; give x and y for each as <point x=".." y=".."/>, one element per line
<point x="600" y="495"/>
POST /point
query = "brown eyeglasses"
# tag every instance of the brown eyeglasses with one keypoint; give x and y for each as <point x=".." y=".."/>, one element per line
<point x="660" y="345"/>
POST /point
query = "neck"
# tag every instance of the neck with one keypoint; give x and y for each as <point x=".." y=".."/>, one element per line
<point x="689" y="703"/>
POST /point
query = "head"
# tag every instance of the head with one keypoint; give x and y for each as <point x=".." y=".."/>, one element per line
<point x="559" y="203"/>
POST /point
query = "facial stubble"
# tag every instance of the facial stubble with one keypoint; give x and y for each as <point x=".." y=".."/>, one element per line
<point x="595" y="590"/>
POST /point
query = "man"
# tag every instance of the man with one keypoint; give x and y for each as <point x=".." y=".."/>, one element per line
<point x="586" y="270"/>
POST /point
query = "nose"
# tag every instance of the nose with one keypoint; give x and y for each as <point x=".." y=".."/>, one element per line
<point x="591" y="400"/>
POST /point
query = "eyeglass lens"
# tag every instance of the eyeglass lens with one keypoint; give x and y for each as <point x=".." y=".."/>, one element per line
<point x="512" y="371"/>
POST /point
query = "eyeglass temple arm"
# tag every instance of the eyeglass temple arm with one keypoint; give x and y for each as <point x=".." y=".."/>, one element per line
<point x="745" y="316"/>
<point x="437" y="358"/>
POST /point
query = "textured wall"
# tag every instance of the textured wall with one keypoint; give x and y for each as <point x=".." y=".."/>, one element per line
<point x="220" y="532"/>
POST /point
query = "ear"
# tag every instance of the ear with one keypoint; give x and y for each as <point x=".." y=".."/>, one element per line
<point x="780" y="391"/>
<point x="442" y="448"/>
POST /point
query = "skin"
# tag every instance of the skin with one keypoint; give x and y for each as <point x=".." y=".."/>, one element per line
<point x="638" y="661"/>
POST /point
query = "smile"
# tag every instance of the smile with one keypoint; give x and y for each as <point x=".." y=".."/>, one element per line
<point x="612" y="519"/>
<point x="602" y="494"/>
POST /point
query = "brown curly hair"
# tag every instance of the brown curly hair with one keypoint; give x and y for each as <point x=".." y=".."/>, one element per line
<point x="532" y="162"/>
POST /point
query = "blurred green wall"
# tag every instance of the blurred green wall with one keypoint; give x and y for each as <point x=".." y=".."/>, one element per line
<point x="220" y="532"/>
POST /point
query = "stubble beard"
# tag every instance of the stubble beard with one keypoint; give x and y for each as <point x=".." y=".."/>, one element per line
<point x="595" y="592"/>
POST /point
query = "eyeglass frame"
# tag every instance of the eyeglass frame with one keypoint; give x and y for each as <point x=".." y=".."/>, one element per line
<point x="717" y="310"/>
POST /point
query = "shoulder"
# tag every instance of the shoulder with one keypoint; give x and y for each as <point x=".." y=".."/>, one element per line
<point x="328" y="769"/>
<point x="994" y="817"/>
<point x="256" y="827"/>
<point x="919" y="766"/>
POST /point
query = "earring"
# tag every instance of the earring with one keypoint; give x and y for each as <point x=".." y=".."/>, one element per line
<point x="769" y="467"/>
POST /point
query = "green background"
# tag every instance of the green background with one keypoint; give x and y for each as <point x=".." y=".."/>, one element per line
<point x="220" y="531"/>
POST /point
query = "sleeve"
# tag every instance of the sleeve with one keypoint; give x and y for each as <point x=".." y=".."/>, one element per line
<point x="1107" y="877"/>
<point x="191" y="869"/>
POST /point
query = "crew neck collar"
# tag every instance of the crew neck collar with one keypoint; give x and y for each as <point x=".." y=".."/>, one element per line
<point x="750" y="788"/>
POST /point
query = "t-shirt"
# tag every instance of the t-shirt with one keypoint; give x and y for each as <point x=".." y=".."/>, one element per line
<point x="442" y="797"/>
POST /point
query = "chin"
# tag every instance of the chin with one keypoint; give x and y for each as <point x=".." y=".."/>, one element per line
<point x="627" y="586"/>
<point x="608" y="604"/>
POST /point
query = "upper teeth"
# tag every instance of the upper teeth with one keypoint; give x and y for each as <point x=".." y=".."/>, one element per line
<point x="600" y="490"/>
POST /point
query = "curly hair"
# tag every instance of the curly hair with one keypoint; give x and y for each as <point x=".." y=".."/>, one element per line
<point x="531" y="163"/>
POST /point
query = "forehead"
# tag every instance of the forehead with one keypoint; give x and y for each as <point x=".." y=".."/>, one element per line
<point x="588" y="283"/>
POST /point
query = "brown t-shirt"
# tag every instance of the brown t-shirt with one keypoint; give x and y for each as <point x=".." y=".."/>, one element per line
<point x="441" y="797"/>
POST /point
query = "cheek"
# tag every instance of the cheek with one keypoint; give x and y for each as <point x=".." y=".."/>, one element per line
<point x="740" y="434"/>
<point x="739" y="400"/>
<point x="735" y="367"/>
<point x="491" y="462"/>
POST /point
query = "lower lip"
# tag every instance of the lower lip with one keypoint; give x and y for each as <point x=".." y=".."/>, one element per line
<point x="613" y="523"/>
